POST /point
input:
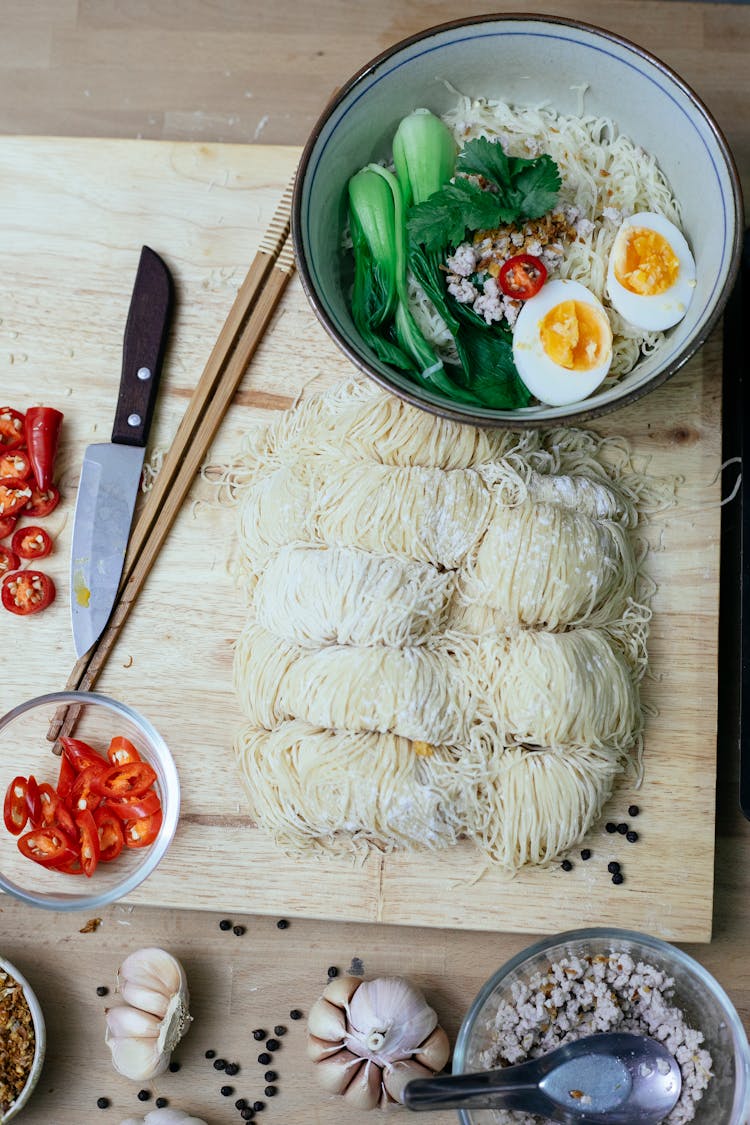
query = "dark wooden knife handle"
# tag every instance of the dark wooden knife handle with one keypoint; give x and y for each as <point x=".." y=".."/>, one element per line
<point x="143" y="349"/>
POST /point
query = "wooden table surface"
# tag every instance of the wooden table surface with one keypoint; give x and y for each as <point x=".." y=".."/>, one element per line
<point x="239" y="71"/>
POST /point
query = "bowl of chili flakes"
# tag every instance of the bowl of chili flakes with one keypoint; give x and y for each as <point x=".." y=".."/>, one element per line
<point x="22" y="1041"/>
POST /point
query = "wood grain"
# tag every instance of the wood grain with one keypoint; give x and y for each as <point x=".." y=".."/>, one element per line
<point x="205" y="207"/>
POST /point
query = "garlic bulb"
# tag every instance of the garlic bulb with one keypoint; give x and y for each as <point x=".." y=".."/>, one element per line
<point x="369" y="1038"/>
<point x="165" y="1117"/>
<point x="143" y="1031"/>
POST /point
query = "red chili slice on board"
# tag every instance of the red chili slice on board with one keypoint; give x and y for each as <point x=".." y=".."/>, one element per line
<point x="14" y="496"/>
<point x="134" y="808"/>
<point x="111" y="835"/>
<point x="7" y="523"/>
<point x="15" y="465"/>
<point x="11" y="428"/>
<point x="31" y="543"/>
<point x="42" y="501"/>
<point x="129" y="780"/>
<point x="49" y="846"/>
<point x="42" y="433"/>
<point x="26" y="592"/>
<point x="140" y="833"/>
<point x="121" y="750"/>
<point x="81" y="755"/>
<point x="9" y="561"/>
<point x="15" y="806"/>
<point x="522" y="276"/>
<point x="88" y="838"/>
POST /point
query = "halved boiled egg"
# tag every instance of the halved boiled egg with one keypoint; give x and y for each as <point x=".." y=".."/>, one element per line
<point x="562" y="343"/>
<point x="651" y="272"/>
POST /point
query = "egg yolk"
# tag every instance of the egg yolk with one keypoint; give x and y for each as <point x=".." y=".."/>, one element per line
<point x="646" y="263"/>
<point x="575" y="336"/>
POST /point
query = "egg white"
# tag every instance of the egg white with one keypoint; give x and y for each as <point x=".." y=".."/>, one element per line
<point x="662" y="310"/>
<point x="547" y="380"/>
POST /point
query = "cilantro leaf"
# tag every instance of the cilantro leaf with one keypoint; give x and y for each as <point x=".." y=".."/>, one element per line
<point x="444" y="218"/>
<point x="482" y="157"/>
<point x="537" y="185"/>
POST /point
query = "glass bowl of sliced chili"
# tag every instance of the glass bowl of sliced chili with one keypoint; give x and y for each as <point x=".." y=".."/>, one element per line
<point x="84" y="827"/>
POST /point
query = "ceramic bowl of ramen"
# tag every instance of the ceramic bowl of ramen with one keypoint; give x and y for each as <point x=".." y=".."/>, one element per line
<point x="629" y="137"/>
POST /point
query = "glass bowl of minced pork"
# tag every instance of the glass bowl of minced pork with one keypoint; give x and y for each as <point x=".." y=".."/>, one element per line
<point x="597" y="980"/>
<point x="517" y="220"/>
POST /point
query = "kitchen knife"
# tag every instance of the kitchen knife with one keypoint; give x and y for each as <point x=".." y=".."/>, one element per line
<point x="111" y="473"/>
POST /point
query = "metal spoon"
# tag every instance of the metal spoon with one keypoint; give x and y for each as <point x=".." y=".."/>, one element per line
<point x="608" y="1079"/>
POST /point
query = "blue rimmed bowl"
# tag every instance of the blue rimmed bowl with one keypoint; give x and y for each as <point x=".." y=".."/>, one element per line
<point x="526" y="59"/>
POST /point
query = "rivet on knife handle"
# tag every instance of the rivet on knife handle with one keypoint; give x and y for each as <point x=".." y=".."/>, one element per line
<point x="143" y="350"/>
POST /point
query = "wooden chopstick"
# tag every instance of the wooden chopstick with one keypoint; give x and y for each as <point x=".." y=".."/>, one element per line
<point x="243" y="330"/>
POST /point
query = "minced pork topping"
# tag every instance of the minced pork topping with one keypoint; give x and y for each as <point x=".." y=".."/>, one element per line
<point x="17" y="1041"/>
<point x="576" y="997"/>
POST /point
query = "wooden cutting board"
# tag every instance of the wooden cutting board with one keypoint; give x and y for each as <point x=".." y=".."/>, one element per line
<point x="75" y="214"/>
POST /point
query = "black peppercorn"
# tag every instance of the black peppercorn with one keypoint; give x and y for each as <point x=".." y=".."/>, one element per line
<point x="566" y="865"/>
<point x="220" y="1064"/>
<point x="282" y="924"/>
<point x="295" y="1014"/>
<point x="160" y="1103"/>
<point x="232" y="1069"/>
<point x="272" y="1045"/>
<point x="102" y="990"/>
<point x="610" y="827"/>
<point x="279" y="1030"/>
<point x="264" y="1058"/>
<point x="270" y="1091"/>
<point x="102" y="1103"/>
<point x="617" y="878"/>
<point x="259" y="1033"/>
<point x="239" y="930"/>
<point x="633" y="810"/>
<point x="258" y="1106"/>
<point x="586" y="853"/>
<point x="248" y="1113"/>
<point x="622" y="828"/>
<point x="631" y="837"/>
<point x="332" y="972"/>
<point x="144" y="1095"/>
<point x="270" y="1076"/>
<point x="241" y="1103"/>
<point x="210" y="1054"/>
<point x="225" y="924"/>
<point x="613" y="867"/>
<point x="174" y="1067"/>
<point x="226" y="1091"/>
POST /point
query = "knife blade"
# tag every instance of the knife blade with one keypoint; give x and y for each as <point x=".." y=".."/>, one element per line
<point x="111" y="472"/>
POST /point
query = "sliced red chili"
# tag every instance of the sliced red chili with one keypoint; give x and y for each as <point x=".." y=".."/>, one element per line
<point x="54" y="811"/>
<point x="7" y="523"/>
<point x="11" y="428"/>
<point x="15" y="806"/>
<point x="14" y="496"/>
<point x="88" y="839"/>
<point x="31" y="543"/>
<point x="26" y="592"/>
<point x="81" y="755"/>
<point x="522" y="277"/>
<point x="66" y="778"/>
<point x="42" y="432"/>
<point x="133" y="808"/>
<point x="9" y="561"/>
<point x="141" y="833"/>
<point x="15" y="465"/>
<point x="121" y="750"/>
<point x="85" y="794"/>
<point x="33" y="803"/>
<point x="48" y="846"/>
<point x="111" y="835"/>
<point x="43" y="501"/>
<point x="131" y="779"/>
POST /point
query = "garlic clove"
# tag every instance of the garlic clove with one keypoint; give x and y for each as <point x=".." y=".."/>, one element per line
<point x="326" y="1021"/>
<point x="435" y="1051"/>
<point x="320" y="1048"/>
<point x="363" y="1092"/>
<point x="125" y="1021"/>
<point x="388" y="1019"/>
<point x="396" y="1077"/>
<point x="335" y="1074"/>
<point x="154" y="969"/>
<point x="341" y="989"/>
<point x="138" y="996"/>
<point x="139" y="1059"/>
<point x="175" y="1022"/>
